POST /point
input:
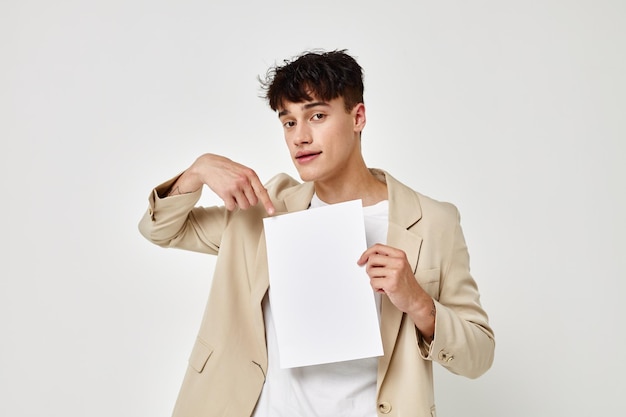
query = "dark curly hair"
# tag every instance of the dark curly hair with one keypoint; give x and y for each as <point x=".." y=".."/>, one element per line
<point x="325" y="75"/>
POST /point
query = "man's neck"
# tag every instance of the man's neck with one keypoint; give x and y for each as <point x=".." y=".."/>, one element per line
<point x="364" y="186"/>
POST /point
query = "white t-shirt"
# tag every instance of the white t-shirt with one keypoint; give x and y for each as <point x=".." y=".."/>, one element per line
<point x="342" y="389"/>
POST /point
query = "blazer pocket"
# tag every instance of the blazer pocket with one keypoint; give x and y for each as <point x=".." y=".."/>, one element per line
<point x="200" y="355"/>
<point x="429" y="281"/>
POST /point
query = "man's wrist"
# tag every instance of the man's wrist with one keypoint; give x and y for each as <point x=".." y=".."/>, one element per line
<point x="425" y="319"/>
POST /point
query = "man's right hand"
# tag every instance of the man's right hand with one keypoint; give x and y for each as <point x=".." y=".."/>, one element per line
<point x="235" y="184"/>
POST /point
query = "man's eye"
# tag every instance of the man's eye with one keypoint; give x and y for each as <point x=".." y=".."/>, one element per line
<point x="289" y="124"/>
<point x="318" y="116"/>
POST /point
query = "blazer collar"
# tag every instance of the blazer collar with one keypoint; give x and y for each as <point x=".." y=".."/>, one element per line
<point x="404" y="206"/>
<point x="299" y="197"/>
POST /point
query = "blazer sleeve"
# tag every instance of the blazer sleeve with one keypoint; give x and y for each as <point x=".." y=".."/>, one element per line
<point x="464" y="342"/>
<point x="175" y="222"/>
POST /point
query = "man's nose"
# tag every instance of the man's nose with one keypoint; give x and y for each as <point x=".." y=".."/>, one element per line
<point x="302" y="135"/>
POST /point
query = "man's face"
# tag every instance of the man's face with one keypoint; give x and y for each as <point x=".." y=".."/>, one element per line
<point x="323" y="139"/>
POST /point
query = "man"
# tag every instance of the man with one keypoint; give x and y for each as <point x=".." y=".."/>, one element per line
<point x="417" y="263"/>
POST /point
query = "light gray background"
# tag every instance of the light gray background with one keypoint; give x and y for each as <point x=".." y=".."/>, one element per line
<point x="512" y="110"/>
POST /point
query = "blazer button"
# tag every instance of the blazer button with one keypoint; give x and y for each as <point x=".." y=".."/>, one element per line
<point x="384" y="407"/>
<point x="445" y="356"/>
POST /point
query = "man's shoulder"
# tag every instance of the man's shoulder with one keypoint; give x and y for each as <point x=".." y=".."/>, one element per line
<point x="429" y="203"/>
<point x="429" y="206"/>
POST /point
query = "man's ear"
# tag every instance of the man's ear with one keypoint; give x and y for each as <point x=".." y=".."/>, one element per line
<point x="358" y="113"/>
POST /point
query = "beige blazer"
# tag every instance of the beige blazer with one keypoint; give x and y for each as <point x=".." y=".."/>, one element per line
<point x="228" y="362"/>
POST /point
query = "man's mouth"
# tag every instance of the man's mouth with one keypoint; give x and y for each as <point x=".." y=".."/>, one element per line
<point x="305" y="156"/>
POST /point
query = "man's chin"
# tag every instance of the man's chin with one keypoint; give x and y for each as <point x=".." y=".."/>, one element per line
<point x="306" y="176"/>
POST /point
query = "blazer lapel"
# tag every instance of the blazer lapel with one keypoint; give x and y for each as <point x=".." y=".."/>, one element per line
<point x="299" y="197"/>
<point x="404" y="212"/>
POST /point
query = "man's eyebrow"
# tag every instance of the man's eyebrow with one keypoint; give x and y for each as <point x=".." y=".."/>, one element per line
<point x="307" y="106"/>
<point x="315" y="104"/>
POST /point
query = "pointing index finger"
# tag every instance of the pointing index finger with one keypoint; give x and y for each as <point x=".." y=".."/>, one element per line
<point x="263" y="195"/>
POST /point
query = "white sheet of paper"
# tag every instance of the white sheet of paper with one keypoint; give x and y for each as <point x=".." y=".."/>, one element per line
<point x="322" y="303"/>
